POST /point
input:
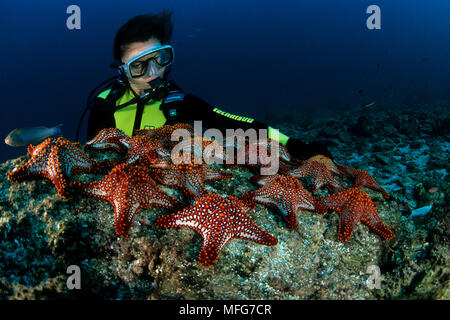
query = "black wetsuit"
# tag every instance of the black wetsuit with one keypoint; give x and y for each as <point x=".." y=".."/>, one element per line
<point x="187" y="110"/>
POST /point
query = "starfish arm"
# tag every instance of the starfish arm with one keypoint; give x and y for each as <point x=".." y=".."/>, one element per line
<point x="167" y="221"/>
<point x="107" y="139"/>
<point x="302" y="200"/>
<point x="366" y="180"/>
<point x="73" y="159"/>
<point x="168" y="177"/>
<point x="288" y="209"/>
<point x="334" y="200"/>
<point x="55" y="174"/>
<point x="349" y="216"/>
<point x="250" y="231"/>
<point x="348" y="170"/>
<point x="212" y="174"/>
<point x="30" y="149"/>
<point x="150" y="195"/>
<point x="194" y="184"/>
<point x="301" y="172"/>
<point x="212" y="247"/>
<point x="124" y="215"/>
<point x="374" y="222"/>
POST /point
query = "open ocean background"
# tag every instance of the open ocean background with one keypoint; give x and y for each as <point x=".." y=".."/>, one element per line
<point x="246" y="57"/>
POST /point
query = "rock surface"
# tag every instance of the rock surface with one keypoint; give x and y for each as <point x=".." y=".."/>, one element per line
<point x="41" y="234"/>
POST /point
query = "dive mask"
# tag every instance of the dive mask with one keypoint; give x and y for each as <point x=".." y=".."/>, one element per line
<point x="149" y="62"/>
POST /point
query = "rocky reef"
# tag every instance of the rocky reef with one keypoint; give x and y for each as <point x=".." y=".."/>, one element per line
<point x="42" y="234"/>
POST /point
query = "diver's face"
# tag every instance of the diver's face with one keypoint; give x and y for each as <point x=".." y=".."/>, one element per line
<point x="131" y="51"/>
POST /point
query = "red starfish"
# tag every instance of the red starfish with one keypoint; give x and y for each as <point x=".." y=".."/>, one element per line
<point x="331" y="166"/>
<point x="257" y="154"/>
<point x="164" y="133"/>
<point x="101" y="140"/>
<point x="56" y="159"/>
<point x="198" y="150"/>
<point x="353" y="205"/>
<point x="363" y="179"/>
<point x="285" y="193"/>
<point x="190" y="177"/>
<point x="319" y="174"/>
<point x="141" y="149"/>
<point x="250" y="149"/>
<point x="129" y="189"/>
<point x="218" y="220"/>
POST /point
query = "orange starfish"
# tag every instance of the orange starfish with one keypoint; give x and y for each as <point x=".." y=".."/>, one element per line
<point x="190" y="177"/>
<point x="363" y="179"/>
<point x="285" y="193"/>
<point x="197" y="150"/>
<point x="164" y="133"/>
<point x="353" y="206"/>
<point x="319" y="174"/>
<point x="140" y="149"/>
<point x="129" y="189"/>
<point x="101" y="140"/>
<point x="56" y="159"/>
<point x="331" y="166"/>
<point x="218" y="219"/>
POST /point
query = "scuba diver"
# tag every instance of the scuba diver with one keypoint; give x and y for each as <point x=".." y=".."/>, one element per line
<point x="143" y="97"/>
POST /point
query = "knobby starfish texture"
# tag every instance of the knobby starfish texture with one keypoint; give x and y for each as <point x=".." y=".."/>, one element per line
<point x="257" y="151"/>
<point x="198" y="150"/>
<point x="56" y="159"/>
<point x="285" y="193"/>
<point x="164" y="133"/>
<point x="353" y="206"/>
<point x="363" y="179"/>
<point x="129" y="189"/>
<point x="329" y="164"/>
<point x="318" y="173"/>
<point x="140" y="150"/>
<point x="102" y="140"/>
<point x="190" y="177"/>
<point x="218" y="219"/>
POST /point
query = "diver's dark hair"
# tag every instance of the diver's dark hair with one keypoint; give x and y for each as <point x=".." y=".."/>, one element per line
<point x="141" y="28"/>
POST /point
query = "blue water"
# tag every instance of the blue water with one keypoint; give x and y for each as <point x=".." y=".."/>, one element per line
<point x="247" y="57"/>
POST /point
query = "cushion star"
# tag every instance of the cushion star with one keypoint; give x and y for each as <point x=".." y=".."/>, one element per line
<point x="140" y="149"/>
<point x="285" y="193"/>
<point x="190" y="177"/>
<point x="353" y="206"/>
<point x="101" y="140"/>
<point x="319" y="174"/>
<point x="363" y="179"/>
<point x="56" y="159"/>
<point x="129" y="189"/>
<point x="218" y="219"/>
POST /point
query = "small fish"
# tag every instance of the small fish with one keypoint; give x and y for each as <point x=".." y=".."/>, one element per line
<point x="433" y="189"/>
<point x="24" y="136"/>
<point x="367" y="105"/>
<point x="420" y="211"/>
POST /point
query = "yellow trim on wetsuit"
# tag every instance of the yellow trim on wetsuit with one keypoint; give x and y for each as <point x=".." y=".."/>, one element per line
<point x="233" y="116"/>
<point x="277" y="136"/>
<point x="152" y="116"/>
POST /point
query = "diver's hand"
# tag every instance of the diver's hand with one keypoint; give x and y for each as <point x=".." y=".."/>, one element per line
<point x="301" y="150"/>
